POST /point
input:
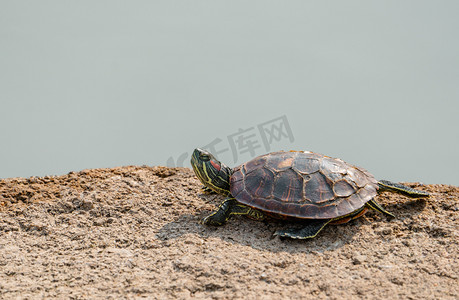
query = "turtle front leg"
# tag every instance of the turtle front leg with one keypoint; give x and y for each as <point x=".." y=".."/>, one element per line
<point x="228" y="208"/>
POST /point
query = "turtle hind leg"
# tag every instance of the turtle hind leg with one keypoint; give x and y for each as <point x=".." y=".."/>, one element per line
<point x="376" y="206"/>
<point x="386" y="185"/>
<point x="308" y="231"/>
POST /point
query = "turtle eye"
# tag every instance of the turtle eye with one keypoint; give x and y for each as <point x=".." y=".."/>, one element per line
<point x="204" y="157"/>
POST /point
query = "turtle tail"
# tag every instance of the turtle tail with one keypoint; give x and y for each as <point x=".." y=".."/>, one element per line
<point x="386" y="185"/>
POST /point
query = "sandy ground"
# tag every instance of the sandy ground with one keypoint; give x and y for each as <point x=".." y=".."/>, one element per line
<point x="133" y="232"/>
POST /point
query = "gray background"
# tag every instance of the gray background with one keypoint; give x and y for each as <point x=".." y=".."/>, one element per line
<point x="89" y="84"/>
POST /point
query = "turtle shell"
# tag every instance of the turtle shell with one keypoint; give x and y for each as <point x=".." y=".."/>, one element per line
<point x="301" y="184"/>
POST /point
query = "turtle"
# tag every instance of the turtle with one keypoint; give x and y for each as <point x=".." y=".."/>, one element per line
<point x="304" y="186"/>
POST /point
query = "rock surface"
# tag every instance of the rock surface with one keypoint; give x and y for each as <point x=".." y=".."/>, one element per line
<point x="134" y="232"/>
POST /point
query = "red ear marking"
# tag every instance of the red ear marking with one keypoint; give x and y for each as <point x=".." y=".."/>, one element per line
<point x="216" y="166"/>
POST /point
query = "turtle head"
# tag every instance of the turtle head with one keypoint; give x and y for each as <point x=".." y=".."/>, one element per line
<point x="212" y="173"/>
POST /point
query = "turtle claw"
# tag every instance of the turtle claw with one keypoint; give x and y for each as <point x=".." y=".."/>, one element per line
<point x="308" y="231"/>
<point x="279" y="234"/>
<point x="206" y="190"/>
<point x="283" y="234"/>
<point x="210" y="220"/>
<point x="205" y="221"/>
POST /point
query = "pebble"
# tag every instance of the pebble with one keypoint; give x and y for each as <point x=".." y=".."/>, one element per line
<point x="358" y="259"/>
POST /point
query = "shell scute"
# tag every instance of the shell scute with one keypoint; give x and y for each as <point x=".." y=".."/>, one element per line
<point x="306" y="165"/>
<point x="309" y="210"/>
<point x="288" y="186"/>
<point x="260" y="183"/>
<point x="359" y="177"/>
<point x="331" y="165"/>
<point x="328" y="212"/>
<point x="255" y="164"/>
<point x="244" y="197"/>
<point x="342" y="188"/>
<point x="318" y="189"/>
<point x="237" y="174"/>
<point x="280" y="161"/>
<point x="346" y="204"/>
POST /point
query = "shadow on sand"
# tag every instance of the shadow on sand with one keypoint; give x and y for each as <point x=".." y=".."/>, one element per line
<point x="259" y="235"/>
